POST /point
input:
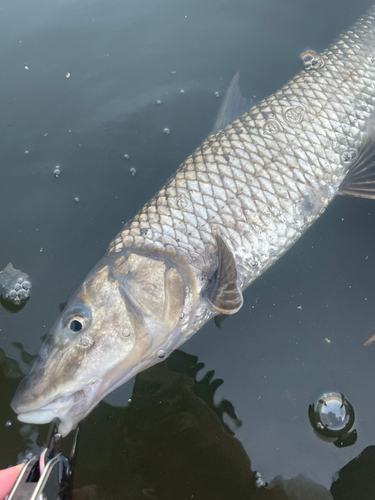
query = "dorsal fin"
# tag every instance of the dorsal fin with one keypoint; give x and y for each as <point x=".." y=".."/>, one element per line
<point x="223" y="291"/>
<point x="360" y="180"/>
<point x="233" y="105"/>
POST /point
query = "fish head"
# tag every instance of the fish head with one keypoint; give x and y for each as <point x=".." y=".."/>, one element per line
<point x="125" y="317"/>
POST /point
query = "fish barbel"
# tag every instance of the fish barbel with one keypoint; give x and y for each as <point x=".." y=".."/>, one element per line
<point x="231" y="210"/>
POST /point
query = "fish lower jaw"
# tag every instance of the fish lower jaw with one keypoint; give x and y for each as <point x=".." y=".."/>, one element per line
<point x="69" y="408"/>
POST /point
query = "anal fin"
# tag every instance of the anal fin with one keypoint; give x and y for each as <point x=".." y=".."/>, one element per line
<point x="223" y="292"/>
<point x="360" y="180"/>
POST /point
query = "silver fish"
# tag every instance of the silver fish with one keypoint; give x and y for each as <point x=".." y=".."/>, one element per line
<point x="231" y="210"/>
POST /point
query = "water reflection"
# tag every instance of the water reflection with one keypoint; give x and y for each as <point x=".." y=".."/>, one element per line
<point x="172" y="440"/>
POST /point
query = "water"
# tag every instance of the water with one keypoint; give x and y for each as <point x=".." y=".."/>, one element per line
<point x="187" y="432"/>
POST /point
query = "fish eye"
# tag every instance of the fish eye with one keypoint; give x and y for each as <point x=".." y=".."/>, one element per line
<point x="77" y="318"/>
<point x="75" y="325"/>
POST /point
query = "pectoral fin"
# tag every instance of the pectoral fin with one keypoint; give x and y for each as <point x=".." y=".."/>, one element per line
<point x="223" y="292"/>
<point x="360" y="180"/>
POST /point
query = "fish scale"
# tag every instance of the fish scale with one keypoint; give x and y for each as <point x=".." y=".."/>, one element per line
<point x="266" y="177"/>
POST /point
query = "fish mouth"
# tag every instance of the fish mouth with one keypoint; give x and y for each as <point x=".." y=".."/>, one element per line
<point x="70" y="408"/>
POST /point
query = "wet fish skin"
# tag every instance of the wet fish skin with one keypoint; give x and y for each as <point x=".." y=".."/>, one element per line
<point x="259" y="184"/>
<point x="267" y="176"/>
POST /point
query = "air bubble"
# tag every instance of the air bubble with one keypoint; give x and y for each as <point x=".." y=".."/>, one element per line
<point x="23" y="294"/>
<point x="85" y="341"/>
<point x="126" y="157"/>
<point x="349" y="155"/>
<point x="20" y="280"/>
<point x="133" y="171"/>
<point x="294" y="115"/>
<point x="182" y="201"/>
<point x="12" y="295"/>
<point x="17" y="301"/>
<point x="26" y="152"/>
<point x="166" y="131"/>
<point x="158" y="102"/>
<point x="332" y="414"/>
<point x="312" y="61"/>
<point x="46" y="134"/>
<point x="56" y="172"/>
<point x="181" y="315"/>
<point x="126" y="332"/>
<point x="17" y="287"/>
<point x="161" y="354"/>
<point x="26" y="285"/>
<point x="182" y="92"/>
<point x="217" y="94"/>
<point x="76" y="199"/>
<point x="271" y="127"/>
<point x="8" y="423"/>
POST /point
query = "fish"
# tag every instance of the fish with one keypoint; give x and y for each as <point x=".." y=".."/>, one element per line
<point x="233" y="207"/>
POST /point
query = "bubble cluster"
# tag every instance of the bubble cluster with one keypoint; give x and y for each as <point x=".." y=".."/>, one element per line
<point x="15" y="284"/>
<point x="271" y="127"/>
<point x="56" y="172"/>
<point x="294" y="115"/>
<point x="133" y="171"/>
<point x="85" y="341"/>
<point x="311" y="60"/>
<point x="20" y="292"/>
<point x="349" y="155"/>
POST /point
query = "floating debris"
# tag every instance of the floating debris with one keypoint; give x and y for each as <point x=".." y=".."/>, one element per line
<point x="327" y="341"/>
<point x="8" y="423"/>
<point x="166" y="131"/>
<point x="299" y="307"/>
<point x="173" y="72"/>
<point x="16" y="285"/>
<point x="67" y="75"/>
<point x="26" y="67"/>
<point x="369" y="341"/>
